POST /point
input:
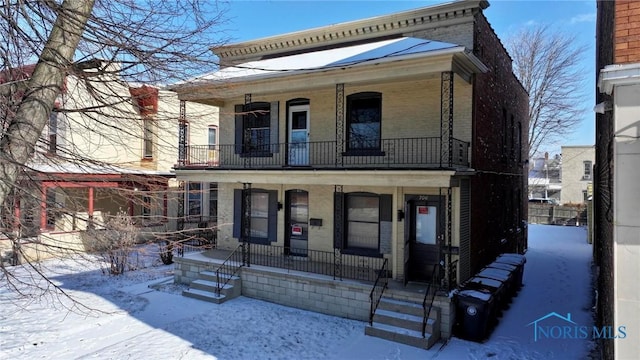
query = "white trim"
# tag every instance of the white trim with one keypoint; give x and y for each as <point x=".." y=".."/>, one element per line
<point x="617" y="75"/>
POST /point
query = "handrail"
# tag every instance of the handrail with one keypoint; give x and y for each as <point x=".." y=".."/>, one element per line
<point x="385" y="282"/>
<point x="427" y="310"/>
<point x="227" y="269"/>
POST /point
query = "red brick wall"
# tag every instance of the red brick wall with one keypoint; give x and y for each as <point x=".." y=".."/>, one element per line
<point x="627" y="31"/>
<point x="498" y="190"/>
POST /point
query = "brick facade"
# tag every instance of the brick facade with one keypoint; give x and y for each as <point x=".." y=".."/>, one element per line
<point x="500" y="106"/>
<point x="627" y="31"/>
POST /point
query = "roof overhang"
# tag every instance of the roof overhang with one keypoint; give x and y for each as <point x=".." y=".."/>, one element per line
<point x="387" y="60"/>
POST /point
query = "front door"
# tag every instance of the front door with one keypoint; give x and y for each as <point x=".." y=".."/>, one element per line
<point x="297" y="218"/>
<point x="424" y="240"/>
<point x="299" y="135"/>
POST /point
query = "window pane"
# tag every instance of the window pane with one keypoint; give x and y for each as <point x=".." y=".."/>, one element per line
<point x="148" y="138"/>
<point x="213" y="200"/>
<point x="362" y="235"/>
<point x="259" y="215"/>
<point x="212" y="136"/>
<point x="195" y="198"/>
<point x="363" y="118"/>
<point x="299" y="120"/>
<point x="363" y="208"/>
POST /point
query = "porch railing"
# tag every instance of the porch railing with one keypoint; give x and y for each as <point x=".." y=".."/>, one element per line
<point x="427" y="302"/>
<point x="318" y="262"/>
<point x="378" y="289"/>
<point x="423" y="152"/>
<point x="230" y="266"/>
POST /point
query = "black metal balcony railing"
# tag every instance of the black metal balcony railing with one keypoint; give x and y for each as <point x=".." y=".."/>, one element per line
<point x="392" y="153"/>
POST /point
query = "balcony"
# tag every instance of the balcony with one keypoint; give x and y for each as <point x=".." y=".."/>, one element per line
<point x="406" y="153"/>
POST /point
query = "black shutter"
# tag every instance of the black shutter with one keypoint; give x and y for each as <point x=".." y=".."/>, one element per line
<point x="273" y="215"/>
<point x="239" y="128"/>
<point x="338" y="220"/>
<point x="386" y="207"/>
<point x="273" y="127"/>
<point x="237" y="213"/>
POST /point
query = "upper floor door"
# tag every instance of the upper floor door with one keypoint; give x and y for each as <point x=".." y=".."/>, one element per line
<point x="298" y="142"/>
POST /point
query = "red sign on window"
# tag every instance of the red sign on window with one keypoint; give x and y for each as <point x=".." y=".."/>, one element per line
<point x="296" y="230"/>
<point x="423" y="210"/>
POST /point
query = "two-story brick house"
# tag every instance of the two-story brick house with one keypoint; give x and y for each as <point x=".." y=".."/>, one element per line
<point x="396" y="142"/>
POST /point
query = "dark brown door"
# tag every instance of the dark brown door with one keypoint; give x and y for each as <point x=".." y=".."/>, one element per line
<point x="297" y="218"/>
<point x="424" y="239"/>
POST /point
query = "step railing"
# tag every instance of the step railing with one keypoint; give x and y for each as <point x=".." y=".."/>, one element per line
<point x="378" y="289"/>
<point x="427" y="302"/>
<point x="230" y="266"/>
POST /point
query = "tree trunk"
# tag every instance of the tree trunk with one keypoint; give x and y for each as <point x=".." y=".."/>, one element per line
<point x="44" y="86"/>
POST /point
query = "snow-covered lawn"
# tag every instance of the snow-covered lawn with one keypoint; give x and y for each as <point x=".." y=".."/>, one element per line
<point x="125" y="319"/>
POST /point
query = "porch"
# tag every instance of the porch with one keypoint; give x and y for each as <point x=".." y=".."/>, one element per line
<point x="340" y="285"/>
<point x="402" y="153"/>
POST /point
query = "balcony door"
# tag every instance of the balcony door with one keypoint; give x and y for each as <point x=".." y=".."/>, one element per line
<point x="298" y="141"/>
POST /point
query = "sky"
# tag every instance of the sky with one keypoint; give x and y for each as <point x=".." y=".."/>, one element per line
<point x="128" y="319"/>
<point x="249" y="20"/>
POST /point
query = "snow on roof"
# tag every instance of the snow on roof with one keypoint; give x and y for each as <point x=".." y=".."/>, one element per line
<point x="68" y="167"/>
<point x="394" y="49"/>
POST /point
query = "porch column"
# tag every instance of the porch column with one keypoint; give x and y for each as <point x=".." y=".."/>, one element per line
<point x="90" y="208"/>
<point x="43" y="207"/>
<point x="246" y="137"/>
<point x="182" y="134"/>
<point x="339" y="123"/>
<point x="246" y="224"/>
<point x="338" y="230"/>
<point x="446" y="119"/>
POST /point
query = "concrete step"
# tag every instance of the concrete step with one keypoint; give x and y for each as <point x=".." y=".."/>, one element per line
<point x="205" y="296"/>
<point x="403" y="320"/>
<point x="400" y="335"/>
<point x="211" y="276"/>
<point x="404" y="307"/>
<point x="207" y="285"/>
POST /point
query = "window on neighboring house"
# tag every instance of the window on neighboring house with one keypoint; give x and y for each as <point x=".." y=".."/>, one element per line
<point x="588" y="169"/>
<point x="213" y="201"/>
<point x="213" y="137"/>
<point x="147" y="147"/>
<point x="194" y="199"/>
<point x="364" y="115"/>
<point x="257" y="128"/>
<point x="146" y="206"/>
<point x="53" y="132"/>
<point x="264" y="215"/>
<point x="52" y="207"/>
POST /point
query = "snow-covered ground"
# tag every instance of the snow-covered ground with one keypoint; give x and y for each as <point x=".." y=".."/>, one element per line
<point x="125" y="319"/>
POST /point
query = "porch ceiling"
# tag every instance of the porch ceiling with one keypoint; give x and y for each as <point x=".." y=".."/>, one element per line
<point x="417" y="178"/>
<point x="377" y="61"/>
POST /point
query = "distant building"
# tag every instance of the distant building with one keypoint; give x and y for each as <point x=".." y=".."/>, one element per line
<point x="545" y="177"/>
<point x="577" y="173"/>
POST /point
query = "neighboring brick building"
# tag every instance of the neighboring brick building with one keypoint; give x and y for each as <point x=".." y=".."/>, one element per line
<point x="616" y="185"/>
<point x="397" y="141"/>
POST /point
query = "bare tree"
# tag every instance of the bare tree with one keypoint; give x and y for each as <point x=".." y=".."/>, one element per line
<point x="547" y="62"/>
<point x="78" y="60"/>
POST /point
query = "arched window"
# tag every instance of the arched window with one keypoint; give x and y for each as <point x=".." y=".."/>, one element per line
<point x="364" y="115"/>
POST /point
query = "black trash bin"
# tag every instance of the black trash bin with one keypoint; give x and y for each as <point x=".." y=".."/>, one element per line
<point x="517" y="260"/>
<point x="497" y="288"/>
<point x="473" y="315"/>
<point x="505" y="276"/>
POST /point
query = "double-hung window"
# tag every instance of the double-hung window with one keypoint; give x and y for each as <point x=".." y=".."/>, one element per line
<point x="256" y="129"/>
<point x="588" y="169"/>
<point x="53" y="132"/>
<point x="364" y="115"/>
<point x="147" y="137"/>
<point x="262" y="218"/>
<point x="363" y="221"/>
<point x="194" y="199"/>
